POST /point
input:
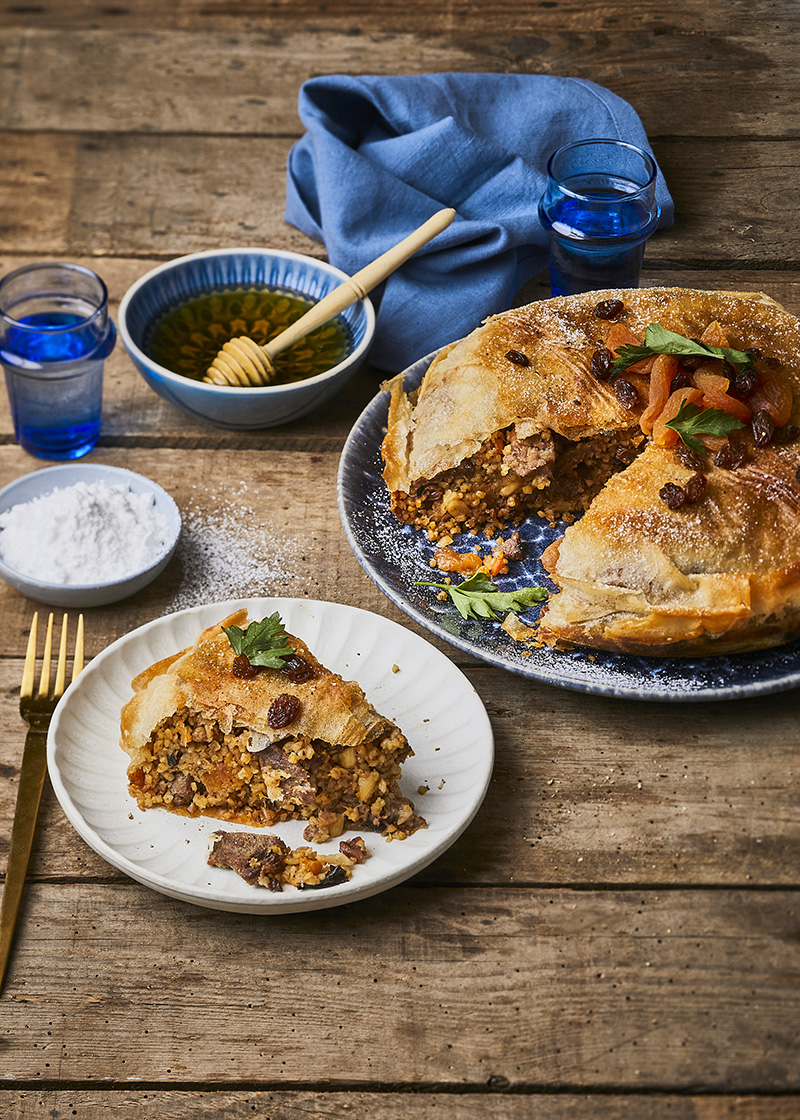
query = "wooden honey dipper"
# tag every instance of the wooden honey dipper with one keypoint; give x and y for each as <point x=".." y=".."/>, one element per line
<point x="243" y="362"/>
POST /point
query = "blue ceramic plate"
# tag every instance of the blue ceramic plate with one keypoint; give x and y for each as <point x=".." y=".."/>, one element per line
<point x="395" y="557"/>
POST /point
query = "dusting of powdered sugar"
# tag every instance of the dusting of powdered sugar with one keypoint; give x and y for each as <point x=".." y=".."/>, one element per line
<point x="228" y="550"/>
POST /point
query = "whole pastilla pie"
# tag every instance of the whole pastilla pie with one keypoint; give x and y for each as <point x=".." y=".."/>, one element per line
<point x="246" y="725"/>
<point x="660" y="424"/>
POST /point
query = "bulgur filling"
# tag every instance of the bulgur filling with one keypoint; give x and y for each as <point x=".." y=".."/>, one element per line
<point x="266" y="861"/>
<point x="511" y="477"/>
<point x="195" y="768"/>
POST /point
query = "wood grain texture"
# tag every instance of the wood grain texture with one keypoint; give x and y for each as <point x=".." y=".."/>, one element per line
<point x="616" y="935"/>
<point x="228" y="81"/>
<point x="585" y="791"/>
<point x="496" y="1102"/>
<point x="643" y="990"/>
<point x="132" y="195"/>
<point x="696" y="17"/>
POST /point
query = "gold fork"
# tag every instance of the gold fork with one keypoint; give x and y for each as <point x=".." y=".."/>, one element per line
<point x="36" y="710"/>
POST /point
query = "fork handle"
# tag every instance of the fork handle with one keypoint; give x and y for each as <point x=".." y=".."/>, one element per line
<point x="29" y="794"/>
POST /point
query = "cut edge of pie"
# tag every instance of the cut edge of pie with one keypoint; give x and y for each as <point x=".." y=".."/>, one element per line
<point x="201" y="743"/>
<point x="510" y="423"/>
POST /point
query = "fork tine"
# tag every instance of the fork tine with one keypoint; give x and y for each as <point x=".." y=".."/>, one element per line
<point x="44" y="680"/>
<point x="61" y="668"/>
<point x="77" y="657"/>
<point x="26" y="688"/>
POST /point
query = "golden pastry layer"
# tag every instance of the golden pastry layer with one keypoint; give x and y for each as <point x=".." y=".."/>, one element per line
<point x="512" y="422"/>
<point x="291" y="743"/>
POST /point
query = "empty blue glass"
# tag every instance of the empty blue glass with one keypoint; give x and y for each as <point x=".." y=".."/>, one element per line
<point x="55" y="334"/>
<point x="599" y="208"/>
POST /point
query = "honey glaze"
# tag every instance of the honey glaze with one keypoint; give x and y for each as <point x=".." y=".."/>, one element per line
<point x="188" y="336"/>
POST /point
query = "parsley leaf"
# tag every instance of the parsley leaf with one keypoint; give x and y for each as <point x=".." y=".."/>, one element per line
<point x="263" y="643"/>
<point x="692" y="422"/>
<point x="658" y="340"/>
<point x="478" y="597"/>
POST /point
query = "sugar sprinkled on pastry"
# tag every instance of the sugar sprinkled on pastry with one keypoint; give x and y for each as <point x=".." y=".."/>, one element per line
<point x="666" y="552"/>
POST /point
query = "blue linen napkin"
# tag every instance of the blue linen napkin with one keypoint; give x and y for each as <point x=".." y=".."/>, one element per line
<point x="381" y="154"/>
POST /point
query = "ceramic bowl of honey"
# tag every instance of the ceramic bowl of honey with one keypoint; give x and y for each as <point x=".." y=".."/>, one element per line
<point x="174" y="320"/>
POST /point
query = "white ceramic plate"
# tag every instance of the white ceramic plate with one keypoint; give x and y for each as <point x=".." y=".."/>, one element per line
<point x="428" y="697"/>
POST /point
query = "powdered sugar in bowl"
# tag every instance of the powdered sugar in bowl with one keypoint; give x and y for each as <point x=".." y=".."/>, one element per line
<point x="85" y="534"/>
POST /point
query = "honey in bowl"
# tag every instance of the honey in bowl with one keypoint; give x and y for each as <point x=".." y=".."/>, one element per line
<point x="188" y="337"/>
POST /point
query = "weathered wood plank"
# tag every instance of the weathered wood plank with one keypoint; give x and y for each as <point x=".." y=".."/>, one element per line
<point x="696" y="16"/>
<point x="586" y="790"/>
<point x="219" y="1104"/>
<point x="134" y="195"/>
<point x="639" y="990"/>
<point x="583" y="792"/>
<point x="225" y="81"/>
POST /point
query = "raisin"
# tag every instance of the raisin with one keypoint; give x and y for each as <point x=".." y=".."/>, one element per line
<point x="625" y="393"/>
<point x="681" y="380"/>
<point x="672" y="494"/>
<point x="283" y="710"/>
<point x="608" y="309"/>
<point x="332" y="878"/>
<point x="692" y="460"/>
<point x="694" y="488"/>
<point x="763" y="428"/>
<point x="297" y="669"/>
<point x="787" y="434"/>
<point x="744" y="380"/>
<point x="602" y="361"/>
<point x="690" y="362"/>
<point x="517" y="358"/>
<point x="754" y="354"/>
<point x="730" y="456"/>
<point x="242" y="667"/>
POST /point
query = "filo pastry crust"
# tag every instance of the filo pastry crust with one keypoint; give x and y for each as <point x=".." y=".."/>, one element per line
<point x="720" y="575"/>
<point x="201" y="679"/>
<point x="473" y="389"/>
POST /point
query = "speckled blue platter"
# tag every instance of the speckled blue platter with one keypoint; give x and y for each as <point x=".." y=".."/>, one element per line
<point x="395" y="557"/>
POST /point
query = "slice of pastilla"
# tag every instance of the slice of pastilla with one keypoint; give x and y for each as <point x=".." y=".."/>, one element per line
<point x="718" y="576"/>
<point x="210" y="734"/>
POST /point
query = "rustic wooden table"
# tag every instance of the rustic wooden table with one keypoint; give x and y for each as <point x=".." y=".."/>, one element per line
<point x="618" y="932"/>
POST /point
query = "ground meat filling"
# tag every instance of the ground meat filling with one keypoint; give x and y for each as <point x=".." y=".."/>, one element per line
<point x="511" y="477"/>
<point x="266" y="861"/>
<point x="196" y="768"/>
<point x="531" y="457"/>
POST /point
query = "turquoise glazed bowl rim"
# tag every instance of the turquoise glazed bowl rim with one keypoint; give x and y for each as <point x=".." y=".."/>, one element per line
<point x="353" y="357"/>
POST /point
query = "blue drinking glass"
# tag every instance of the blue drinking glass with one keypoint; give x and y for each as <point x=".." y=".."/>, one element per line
<point x="599" y="208"/>
<point x="55" y="334"/>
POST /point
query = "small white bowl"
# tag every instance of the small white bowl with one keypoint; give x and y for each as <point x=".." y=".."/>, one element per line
<point x="42" y="482"/>
<point x="251" y="407"/>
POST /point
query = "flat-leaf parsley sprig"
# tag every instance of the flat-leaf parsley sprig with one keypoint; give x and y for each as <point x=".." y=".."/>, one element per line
<point x="478" y="597"/>
<point x="263" y="643"/>
<point x="658" y="340"/>
<point x="692" y="422"/>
